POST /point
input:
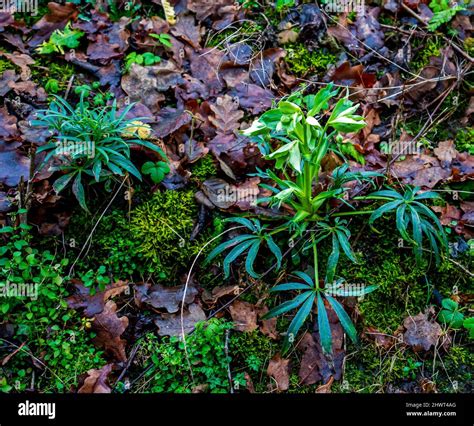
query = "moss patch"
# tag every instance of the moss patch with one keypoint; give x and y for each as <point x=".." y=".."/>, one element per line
<point x="301" y="61"/>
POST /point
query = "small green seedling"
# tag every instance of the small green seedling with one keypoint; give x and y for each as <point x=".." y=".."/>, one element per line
<point x="59" y="40"/>
<point x="163" y="39"/>
<point x="157" y="171"/>
<point x="450" y="314"/>
<point x="146" y="58"/>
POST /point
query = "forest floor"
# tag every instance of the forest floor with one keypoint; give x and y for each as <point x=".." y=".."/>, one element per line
<point x="102" y="260"/>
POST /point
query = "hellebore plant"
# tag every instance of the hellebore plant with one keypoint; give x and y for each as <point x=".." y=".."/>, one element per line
<point x="92" y="142"/>
<point x="304" y="129"/>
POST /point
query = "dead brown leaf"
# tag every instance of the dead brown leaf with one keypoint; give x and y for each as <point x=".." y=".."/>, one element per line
<point x="244" y="316"/>
<point x="94" y="304"/>
<point x="147" y="84"/>
<point x="170" y="324"/>
<point x="420" y="333"/>
<point x="108" y="328"/>
<point x="160" y="297"/>
<point x="279" y="370"/>
<point x="226" y="115"/>
<point x="96" y="381"/>
<point x="326" y="388"/>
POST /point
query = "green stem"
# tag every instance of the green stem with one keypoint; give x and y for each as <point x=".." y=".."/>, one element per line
<point x="308" y="184"/>
<point x="315" y="257"/>
<point x="353" y="213"/>
<point x="369" y="197"/>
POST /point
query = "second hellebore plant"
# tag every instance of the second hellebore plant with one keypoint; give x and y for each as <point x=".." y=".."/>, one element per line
<point x="303" y="134"/>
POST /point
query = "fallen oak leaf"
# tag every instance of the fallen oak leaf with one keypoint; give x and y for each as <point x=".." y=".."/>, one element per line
<point x="446" y="152"/>
<point x="380" y="339"/>
<point x="96" y="381"/>
<point x="353" y="76"/>
<point x="253" y="98"/>
<point x="94" y="304"/>
<point x="226" y="114"/>
<point x="108" y="328"/>
<point x="147" y="84"/>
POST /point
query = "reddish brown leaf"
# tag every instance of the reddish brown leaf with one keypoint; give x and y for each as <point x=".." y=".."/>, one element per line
<point x="226" y="115"/>
<point x="279" y="370"/>
<point x="109" y="327"/>
<point x="96" y="381"/>
<point x="94" y="304"/>
<point x="420" y="170"/>
<point x="244" y="315"/>
<point x="253" y="98"/>
<point x="147" y="84"/>
<point x="353" y="76"/>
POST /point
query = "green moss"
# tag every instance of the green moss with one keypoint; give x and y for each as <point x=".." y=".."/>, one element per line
<point x="370" y="370"/>
<point x="5" y="64"/>
<point x="302" y="62"/>
<point x="424" y="50"/>
<point x="233" y="34"/>
<point x="469" y="45"/>
<point x="251" y="352"/>
<point x="204" y="168"/>
<point x="46" y="68"/>
<point x="163" y="226"/>
<point x="401" y="292"/>
<point x="112" y="245"/>
<point x="465" y="140"/>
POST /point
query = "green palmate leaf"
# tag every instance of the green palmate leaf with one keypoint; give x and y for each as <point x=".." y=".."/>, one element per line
<point x="243" y="221"/>
<point x="60" y="183"/>
<point x="417" y="234"/>
<point x="288" y="107"/>
<point x="449" y="304"/>
<point x="389" y="193"/>
<point x="275" y="250"/>
<point x="78" y="191"/>
<point x="344" y="318"/>
<point x="234" y="254"/>
<point x="298" y="321"/>
<point x="320" y="101"/>
<point x="290" y="286"/>
<point x="384" y="209"/>
<point x="249" y="262"/>
<point x="157" y="170"/>
<point x="305" y="277"/>
<point x="402" y="222"/>
<point x="228" y="244"/>
<point x="333" y="260"/>
<point x="288" y="306"/>
<point x="324" y="327"/>
<point x="427" y="195"/>
<point x="344" y="242"/>
<point x="294" y="158"/>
